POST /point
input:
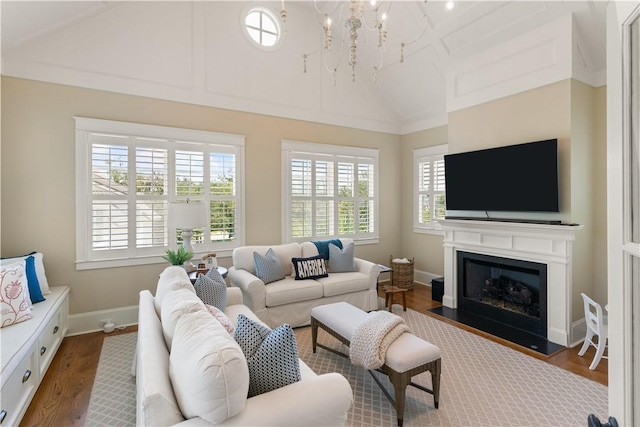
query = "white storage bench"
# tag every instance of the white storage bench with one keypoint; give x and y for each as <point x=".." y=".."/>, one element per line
<point x="27" y="351"/>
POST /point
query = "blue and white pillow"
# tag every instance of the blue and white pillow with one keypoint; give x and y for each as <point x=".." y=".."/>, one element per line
<point x="268" y="268"/>
<point x="31" y="271"/>
<point x="211" y="292"/>
<point x="342" y="260"/>
<point x="272" y="355"/>
<point x="309" y="268"/>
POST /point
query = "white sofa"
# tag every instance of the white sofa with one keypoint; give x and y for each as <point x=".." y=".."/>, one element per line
<point x="290" y="301"/>
<point x="27" y="351"/>
<point x="316" y="400"/>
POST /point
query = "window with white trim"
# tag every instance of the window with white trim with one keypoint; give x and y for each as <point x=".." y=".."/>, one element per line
<point x="126" y="176"/>
<point x="329" y="191"/>
<point x="429" y="188"/>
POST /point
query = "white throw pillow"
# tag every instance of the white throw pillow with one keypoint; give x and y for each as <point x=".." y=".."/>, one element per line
<point x="208" y="370"/>
<point x="171" y="279"/>
<point x="174" y="305"/>
<point x="14" y="294"/>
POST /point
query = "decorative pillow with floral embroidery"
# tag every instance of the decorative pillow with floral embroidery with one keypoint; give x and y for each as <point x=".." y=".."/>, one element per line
<point x="14" y="295"/>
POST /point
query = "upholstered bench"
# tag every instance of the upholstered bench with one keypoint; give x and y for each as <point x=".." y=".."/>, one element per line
<point x="406" y="357"/>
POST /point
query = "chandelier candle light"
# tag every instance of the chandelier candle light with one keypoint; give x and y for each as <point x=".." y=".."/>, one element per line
<point x="368" y="15"/>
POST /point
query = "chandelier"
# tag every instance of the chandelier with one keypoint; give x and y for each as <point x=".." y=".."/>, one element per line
<point x="360" y="16"/>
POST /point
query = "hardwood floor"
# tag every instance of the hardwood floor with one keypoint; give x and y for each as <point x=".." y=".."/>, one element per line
<point x="63" y="397"/>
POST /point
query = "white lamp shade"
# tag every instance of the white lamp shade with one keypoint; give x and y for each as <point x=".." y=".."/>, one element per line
<point x="188" y="215"/>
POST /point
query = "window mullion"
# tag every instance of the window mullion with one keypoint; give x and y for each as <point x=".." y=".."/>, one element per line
<point x="131" y="196"/>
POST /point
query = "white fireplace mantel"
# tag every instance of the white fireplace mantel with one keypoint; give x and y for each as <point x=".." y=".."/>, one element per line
<point x="543" y="243"/>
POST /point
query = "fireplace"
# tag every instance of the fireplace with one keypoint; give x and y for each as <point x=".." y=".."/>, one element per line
<point x="508" y="291"/>
<point x="550" y="245"/>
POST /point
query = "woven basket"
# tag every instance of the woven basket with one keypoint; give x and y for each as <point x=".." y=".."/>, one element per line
<point x="402" y="274"/>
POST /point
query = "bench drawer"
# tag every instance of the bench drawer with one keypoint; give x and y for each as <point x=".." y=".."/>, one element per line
<point x="18" y="389"/>
<point x="51" y="337"/>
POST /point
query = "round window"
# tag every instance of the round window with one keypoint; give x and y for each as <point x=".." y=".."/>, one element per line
<point x="263" y="27"/>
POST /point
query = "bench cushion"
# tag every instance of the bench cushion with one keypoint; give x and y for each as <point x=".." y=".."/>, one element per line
<point x="406" y="352"/>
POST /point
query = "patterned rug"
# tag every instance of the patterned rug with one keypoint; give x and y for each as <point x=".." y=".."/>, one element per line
<point x="113" y="397"/>
<point x="482" y="383"/>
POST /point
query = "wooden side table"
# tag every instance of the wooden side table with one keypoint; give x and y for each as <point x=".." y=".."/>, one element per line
<point x="389" y="294"/>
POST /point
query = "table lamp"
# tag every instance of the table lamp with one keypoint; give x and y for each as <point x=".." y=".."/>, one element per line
<point x="187" y="216"/>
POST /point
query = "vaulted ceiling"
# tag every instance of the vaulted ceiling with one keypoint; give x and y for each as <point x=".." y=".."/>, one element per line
<point x="198" y="52"/>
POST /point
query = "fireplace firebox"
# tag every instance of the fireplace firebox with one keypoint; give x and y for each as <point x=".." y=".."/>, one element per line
<point x="509" y="291"/>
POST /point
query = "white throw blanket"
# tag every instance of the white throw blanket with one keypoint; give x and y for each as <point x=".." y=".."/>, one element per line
<point x="372" y="338"/>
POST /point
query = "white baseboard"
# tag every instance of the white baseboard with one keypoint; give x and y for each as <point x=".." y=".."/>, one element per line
<point x="578" y="332"/>
<point x="420" y="277"/>
<point x="84" y="323"/>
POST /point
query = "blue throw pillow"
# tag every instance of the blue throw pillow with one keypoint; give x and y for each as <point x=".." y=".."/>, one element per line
<point x="342" y="260"/>
<point x="323" y="246"/>
<point x="32" y="280"/>
<point x="211" y="292"/>
<point x="272" y="355"/>
<point x="309" y="268"/>
<point x="268" y="268"/>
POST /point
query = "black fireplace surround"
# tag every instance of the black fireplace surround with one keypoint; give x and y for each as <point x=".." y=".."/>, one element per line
<point x="508" y="291"/>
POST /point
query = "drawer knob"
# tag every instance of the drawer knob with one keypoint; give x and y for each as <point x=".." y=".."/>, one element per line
<point x="26" y="376"/>
<point x="3" y="415"/>
<point x="43" y="350"/>
<point x="55" y="330"/>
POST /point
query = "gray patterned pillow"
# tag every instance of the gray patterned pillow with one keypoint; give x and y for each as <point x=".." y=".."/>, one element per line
<point x="211" y="291"/>
<point x="268" y="268"/>
<point x="272" y="355"/>
<point x="214" y="274"/>
<point x="342" y="260"/>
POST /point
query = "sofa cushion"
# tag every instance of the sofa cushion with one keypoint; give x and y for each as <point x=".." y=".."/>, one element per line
<point x="14" y="294"/>
<point x="155" y="391"/>
<point x="171" y="279"/>
<point x="342" y="260"/>
<point x="272" y="355"/>
<point x="211" y="291"/>
<point x="208" y="370"/>
<point x="309" y="268"/>
<point x="344" y="283"/>
<point x="243" y="256"/>
<point x="290" y="290"/>
<point x="175" y="305"/>
<point x="268" y="268"/>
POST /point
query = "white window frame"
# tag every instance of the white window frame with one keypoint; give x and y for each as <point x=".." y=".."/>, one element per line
<point x="173" y="139"/>
<point x="280" y="36"/>
<point x="424" y="155"/>
<point x="328" y="152"/>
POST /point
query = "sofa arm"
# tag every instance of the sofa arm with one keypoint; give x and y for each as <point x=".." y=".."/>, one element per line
<point x="234" y="296"/>
<point x="371" y="269"/>
<point x="323" y="400"/>
<point x="253" y="292"/>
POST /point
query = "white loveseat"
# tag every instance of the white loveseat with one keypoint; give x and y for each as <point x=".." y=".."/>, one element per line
<point x="316" y="400"/>
<point x="290" y="301"/>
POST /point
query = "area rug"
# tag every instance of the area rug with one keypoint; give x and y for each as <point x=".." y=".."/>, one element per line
<point x="482" y="383"/>
<point x="113" y="397"/>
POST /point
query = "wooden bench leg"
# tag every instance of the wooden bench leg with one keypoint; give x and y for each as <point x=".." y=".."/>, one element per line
<point x="435" y="382"/>
<point x="400" y="383"/>
<point x="314" y="333"/>
<point x="404" y="301"/>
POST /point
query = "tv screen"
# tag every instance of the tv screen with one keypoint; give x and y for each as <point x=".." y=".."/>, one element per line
<point x="516" y="178"/>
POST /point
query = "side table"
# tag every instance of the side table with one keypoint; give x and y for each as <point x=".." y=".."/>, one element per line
<point x="389" y="294"/>
<point x="193" y="275"/>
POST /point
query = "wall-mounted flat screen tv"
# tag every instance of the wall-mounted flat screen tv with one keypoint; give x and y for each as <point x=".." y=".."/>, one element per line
<point x="515" y="178"/>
